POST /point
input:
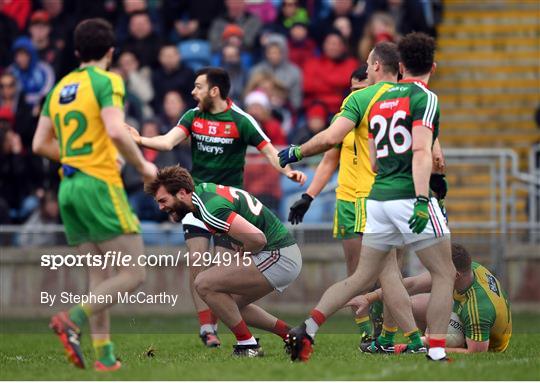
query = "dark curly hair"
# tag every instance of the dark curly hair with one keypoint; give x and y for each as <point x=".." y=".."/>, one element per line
<point x="172" y="178"/>
<point x="461" y="258"/>
<point x="417" y="51"/>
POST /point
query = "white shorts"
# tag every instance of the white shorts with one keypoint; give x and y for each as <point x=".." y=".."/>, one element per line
<point x="387" y="225"/>
<point x="281" y="267"/>
<point x="190" y="219"/>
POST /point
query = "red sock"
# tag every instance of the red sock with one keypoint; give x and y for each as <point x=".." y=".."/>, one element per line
<point x="281" y="328"/>
<point x="205" y="317"/>
<point x="437" y="343"/>
<point x="241" y="331"/>
<point x="213" y="317"/>
<point x="318" y="317"/>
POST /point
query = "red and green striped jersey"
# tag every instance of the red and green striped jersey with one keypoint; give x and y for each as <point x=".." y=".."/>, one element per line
<point x="217" y="205"/>
<point x="392" y="118"/>
<point x="219" y="142"/>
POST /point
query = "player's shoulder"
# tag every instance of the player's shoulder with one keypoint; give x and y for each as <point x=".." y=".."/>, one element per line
<point x="239" y="115"/>
<point x="105" y="73"/>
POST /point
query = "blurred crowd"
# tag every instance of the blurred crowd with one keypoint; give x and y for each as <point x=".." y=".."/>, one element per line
<point x="289" y="61"/>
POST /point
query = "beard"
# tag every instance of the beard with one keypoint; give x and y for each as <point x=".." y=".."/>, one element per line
<point x="205" y="104"/>
<point x="178" y="211"/>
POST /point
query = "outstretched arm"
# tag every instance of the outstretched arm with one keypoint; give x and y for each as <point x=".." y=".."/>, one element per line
<point x="324" y="172"/>
<point x="163" y="143"/>
<point x="271" y="154"/>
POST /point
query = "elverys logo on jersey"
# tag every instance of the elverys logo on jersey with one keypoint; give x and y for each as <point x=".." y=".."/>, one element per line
<point x="68" y="93"/>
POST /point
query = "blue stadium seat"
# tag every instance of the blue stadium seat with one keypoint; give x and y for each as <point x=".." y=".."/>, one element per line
<point x="195" y="53"/>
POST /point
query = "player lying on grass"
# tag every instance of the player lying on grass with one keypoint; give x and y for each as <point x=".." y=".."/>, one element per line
<point x="220" y="133"/>
<point x="82" y="126"/>
<point x="479" y="302"/>
<point x="269" y="258"/>
<point x="403" y="121"/>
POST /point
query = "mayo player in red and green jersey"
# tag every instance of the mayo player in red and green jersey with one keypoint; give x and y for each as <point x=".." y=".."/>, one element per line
<point x="404" y="124"/>
<point x="268" y="257"/>
<point x="220" y="134"/>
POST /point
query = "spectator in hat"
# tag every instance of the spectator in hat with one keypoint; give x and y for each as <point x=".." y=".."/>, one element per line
<point x="40" y="34"/>
<point x="35" y="76"/>
<point x="233" y="35"/>
<point x="276" y="61"/>
<point x="235" y="14"/>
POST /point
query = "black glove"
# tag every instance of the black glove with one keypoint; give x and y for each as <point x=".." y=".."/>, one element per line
<point x="299" y="209"/>
<point x="439" y="186"/>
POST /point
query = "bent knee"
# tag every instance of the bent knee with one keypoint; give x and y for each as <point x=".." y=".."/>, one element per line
<point x="203" y="285"/>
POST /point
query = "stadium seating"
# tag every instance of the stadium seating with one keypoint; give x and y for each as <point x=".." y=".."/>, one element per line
<point x="195" y="53"/>
<point x="488" y="83"/>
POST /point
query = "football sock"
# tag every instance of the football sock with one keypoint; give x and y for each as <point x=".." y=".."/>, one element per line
<point x="436" y="348"/>
<point x="79" y="314"/>
<point x="376" y="310"/>
<point x="314" y="322"/>
<point x="415" y="340"/>
<point x="387" y="335"/>
<point x="242" y="333"/>
<point x="104" y="350"/>
<point x="205" y="320"/>
<point x="364" y="325"/>
<point x="281" y="328"/>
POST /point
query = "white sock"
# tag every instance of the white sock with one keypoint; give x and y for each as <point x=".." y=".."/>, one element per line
<point x="311" y="327"/>
<point x="436" y="353"/>
<point x="251" y="340"/>
<point x="206" y="328"/>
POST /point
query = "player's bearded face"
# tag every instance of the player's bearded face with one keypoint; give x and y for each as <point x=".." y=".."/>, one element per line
<point x="205" y="103"/>
<point x="178" y="210"/>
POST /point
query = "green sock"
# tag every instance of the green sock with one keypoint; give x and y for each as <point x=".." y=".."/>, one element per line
<point x="376" y="310"/>
<point x="79" y="314"/>
<point x="364" y="325"/>
<point x="387" y="336"/>
<point x="415" y="341"/>
<point x="104" y="351"/>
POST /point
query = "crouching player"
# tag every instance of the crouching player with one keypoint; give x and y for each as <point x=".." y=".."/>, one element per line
<point x="479" y="302"/>
<point x="268" y="260"/>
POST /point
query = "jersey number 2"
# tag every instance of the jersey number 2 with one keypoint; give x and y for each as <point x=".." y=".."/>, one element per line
<point x="395" y="130"/>
<point x="80" y="128"/>
<point x="253" y="203"/>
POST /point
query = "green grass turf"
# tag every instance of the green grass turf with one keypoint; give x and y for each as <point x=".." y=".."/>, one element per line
<point x="28" y="351"/>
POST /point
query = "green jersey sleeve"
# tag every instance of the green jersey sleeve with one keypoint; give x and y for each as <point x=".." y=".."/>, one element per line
<point x="425" y="108"/>
<point x="215" y="210"/>
<point x="45" y="110"/>
<point x="477" y="316"/>
<point x="186" y="120"/>
<point x="108" y="88"/>
<point x="251" y="131"/>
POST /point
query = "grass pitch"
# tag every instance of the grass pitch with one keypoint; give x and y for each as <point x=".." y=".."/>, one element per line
<point x="29" y="351"/>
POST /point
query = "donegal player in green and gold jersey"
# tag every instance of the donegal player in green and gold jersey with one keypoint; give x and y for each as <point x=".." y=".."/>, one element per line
<point x="82" y="127"/>
<point x="479" y="302"/>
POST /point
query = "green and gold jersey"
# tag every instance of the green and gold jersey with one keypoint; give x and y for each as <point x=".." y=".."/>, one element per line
<point x="219" y="142"/>
<point x="74" y="106"/>
<point x="484" y="310"/>
<point x="217" y="205"/>
<point x="356" y="107"/>
<point x="392" y="119"/>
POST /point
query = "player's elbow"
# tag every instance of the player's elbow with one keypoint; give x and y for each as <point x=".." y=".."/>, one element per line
<point x="332" y="139"/>
<point x="255" y="243"/>
<point x="37" y="147"/>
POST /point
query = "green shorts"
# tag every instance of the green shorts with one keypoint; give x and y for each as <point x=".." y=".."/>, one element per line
<point x="93" y="210"/>
<point x="344" y="220"/>
<point x="360" y="215"/>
